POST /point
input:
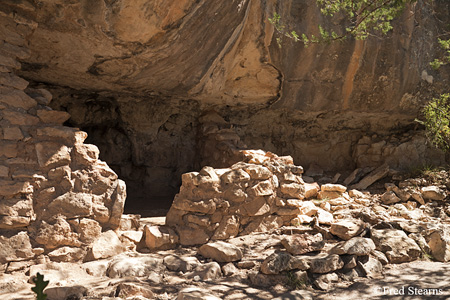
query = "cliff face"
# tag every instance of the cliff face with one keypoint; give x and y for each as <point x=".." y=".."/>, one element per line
<point x="137" y="77"/>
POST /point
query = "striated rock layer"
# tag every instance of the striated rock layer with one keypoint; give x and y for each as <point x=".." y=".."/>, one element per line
<point x="138" y="77"/>
<point x="54" y="191"/>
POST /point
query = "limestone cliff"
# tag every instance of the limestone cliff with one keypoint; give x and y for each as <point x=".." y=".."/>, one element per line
<point x="138" y="76"/>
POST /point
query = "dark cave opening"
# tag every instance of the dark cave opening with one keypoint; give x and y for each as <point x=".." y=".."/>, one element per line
<point x="149" y="143"/>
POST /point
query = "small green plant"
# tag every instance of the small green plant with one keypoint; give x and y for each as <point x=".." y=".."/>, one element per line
<point x="437" y="121"/>
<point x="438" y="62"/>
<point x="40" y="285"/>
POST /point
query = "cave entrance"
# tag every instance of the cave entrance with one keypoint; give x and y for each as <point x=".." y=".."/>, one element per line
<point x="148" y="142"/>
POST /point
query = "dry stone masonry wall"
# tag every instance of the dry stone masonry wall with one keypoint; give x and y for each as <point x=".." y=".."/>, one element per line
<point x="54" y="191"/>
<point x="260" y="194"/>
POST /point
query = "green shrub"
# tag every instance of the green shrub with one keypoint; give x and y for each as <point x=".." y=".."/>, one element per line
<point x="437" y="121"/>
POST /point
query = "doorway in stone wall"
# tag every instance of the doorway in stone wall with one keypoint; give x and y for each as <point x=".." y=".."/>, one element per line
<point x="148" y="142"/>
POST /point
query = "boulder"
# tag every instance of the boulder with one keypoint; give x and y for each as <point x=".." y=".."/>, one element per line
<point x="190" y="236"/>
<point x="221" y="251"/>
<point x="106" y="245"/>
<point x="347" y="228"/>
<point x="390" y="198"/>
<point x="325" y="263"/>
<point x="397" y="246"/>
<point x="358" y="246"/>
<point x="208" y="271"/>
<point x="134" y="266"/>
<point x="67" y="254"/>
<point x="303" y="243"/>
<point x="183" y="264"/>
<point x="439" y="243"/>
<point x="370" y="266"/>
<point x="159" y="237"/>
<point x="276" y="263"/>
<point x="15" y="248"/>
<point x="433" y="193"/>
<point x="325" y="281"/>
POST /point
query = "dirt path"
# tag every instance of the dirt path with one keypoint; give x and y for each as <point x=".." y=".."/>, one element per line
<point x="415" y="280"/>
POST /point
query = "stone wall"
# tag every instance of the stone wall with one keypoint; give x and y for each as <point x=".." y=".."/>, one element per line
<point x="262" y="193"/>
<point x="54" y="191"/>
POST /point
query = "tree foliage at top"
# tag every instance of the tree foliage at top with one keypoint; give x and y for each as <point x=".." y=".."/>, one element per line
<point x="365" y="17"/>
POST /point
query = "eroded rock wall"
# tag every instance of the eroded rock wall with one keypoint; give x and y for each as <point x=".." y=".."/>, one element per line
<point x="139" y="77"/>
<point x="54" y="191"/>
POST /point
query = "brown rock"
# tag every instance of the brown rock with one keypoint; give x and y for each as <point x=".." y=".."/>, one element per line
<point x="17" y="207"/>
<point x="390" y="198"/>
<point x="221" y="251"/>
<point x="371" y="266"/>
<point x="85" y="154"/>
<point x="71" y="205"/>
<point x="67" y="254"/>
<point x="311" y="190"/>
<point x="372" y="177"/>
<point x="195" y="294"/>
<point x="190" y="236"/>
<point x="13" y="222"/>
<point x="160" y="237"/>
<point x="256" y="206"/>
<point x="206" y="207"/>
<point x="262" y="188"/>
<point x="433" y="193"/>
<point x="208" y="271"/>
<point x="56" y="235"/>
<point x="263" y="224"/>
<point x="12" y="133"/>
<point x="129" y="289"/>
<point x="11" y="80"/>
<point x="106" y="245"/>
<point x="15" y="248"/>
<point x="89" y="230"/>
<point x="439" y="243"/>
<point x="356" y="246"/>
<point x="293" y="190"/>
<point x="52" y="155"/>
<point x="347" y="228"/>
<point x="53" y="116"/>
<point x="228" y="228"/>
<point x="325" y="195"/>
<point x="303" y="243"/>
<point x="276" y="263"/>
<point x="257" y="172"/>
<point x="70" y="136"/>
<point x="325" y="263"/>
<point x="183" y="264"/>
<point x="4" y="171"/>
<point x="8" y="149"/>
<point x="12" y="188"/>
<point x="118" y="198"/>
<point x="333" y="188"/>
<point x="397" y="246"/>
<point x="235" y="176"/>
<point x="16" y="98"/>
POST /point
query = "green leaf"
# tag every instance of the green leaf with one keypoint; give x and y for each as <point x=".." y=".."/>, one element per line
<point x="40" y="286"/>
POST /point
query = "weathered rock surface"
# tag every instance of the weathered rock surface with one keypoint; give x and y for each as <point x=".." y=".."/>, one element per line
<point x="397" y="246"/>
<point x="221" y="251"/>
<point x="52" y="185"/>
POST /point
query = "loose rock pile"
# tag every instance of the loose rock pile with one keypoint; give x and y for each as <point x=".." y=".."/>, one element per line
<point x="56" y="196"/>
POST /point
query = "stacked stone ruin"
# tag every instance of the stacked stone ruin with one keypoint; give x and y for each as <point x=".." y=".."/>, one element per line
<point x="262" y="193"/>
<point x="55" y="194"/>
